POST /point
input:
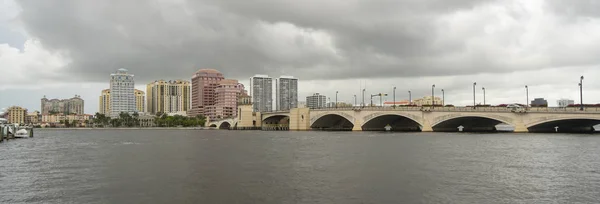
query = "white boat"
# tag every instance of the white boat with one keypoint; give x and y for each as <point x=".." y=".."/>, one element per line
<point x="22" y="133"/>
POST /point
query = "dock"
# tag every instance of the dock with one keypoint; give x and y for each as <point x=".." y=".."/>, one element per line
<point x="10" y="132"/>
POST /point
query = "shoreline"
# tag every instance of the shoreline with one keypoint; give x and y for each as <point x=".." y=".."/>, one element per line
<point x="133" y="128"/>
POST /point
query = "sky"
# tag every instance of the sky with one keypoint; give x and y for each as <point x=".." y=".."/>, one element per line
<point x="62" y="48"/>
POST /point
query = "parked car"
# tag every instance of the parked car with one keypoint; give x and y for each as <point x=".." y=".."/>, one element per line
<point x="514" y="106"/>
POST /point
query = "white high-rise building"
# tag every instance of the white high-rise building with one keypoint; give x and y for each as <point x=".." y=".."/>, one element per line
<point x="565" y="102"/>
<point x="286" y="93"/>
<point x="122" y="95"/>
<point x="261" y="91"/>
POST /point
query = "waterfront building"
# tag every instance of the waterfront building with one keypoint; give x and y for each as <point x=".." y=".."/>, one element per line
<point x="122" y="94"/>
<point x="316" y="101"/>
<point x="104" y="102"/>
<point x="426" y="101"/>
<point x="204" y="83"/>
<point x="140" y="97"/>
<point x="397" y="103"/>
<point x="565" y="102"/>
<point x="73" y="105"/>
<point x="261" y="91"/>
<point x="286" y="93"/>
<point x="16" y="114"/>
<point x="60" y="120"/>
<point x="226" y="99"/>
<point x="169" y="97"/>
<point x="33" y="118"/>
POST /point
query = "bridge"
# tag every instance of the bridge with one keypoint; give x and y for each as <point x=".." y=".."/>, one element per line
<point x="427" y="119"/>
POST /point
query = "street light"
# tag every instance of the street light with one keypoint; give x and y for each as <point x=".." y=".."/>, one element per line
<point x="329" y="99"/>
<point x="394" y="97"/>
<point x="336" y="93"/>
<point x="409" y="98"/>
<point x="363" y="96"/>
<point x="483" y="88"/>
<point x="443" y="98"/>
<point x="474" y="84"/>
<point x="581" y="92"/>
<point x="527" y="92"/>
<point x="354" y="99"/>
<point x="432" y="97"/>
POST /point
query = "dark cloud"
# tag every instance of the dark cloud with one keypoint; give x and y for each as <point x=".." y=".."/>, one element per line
<point x="310" y="39"/>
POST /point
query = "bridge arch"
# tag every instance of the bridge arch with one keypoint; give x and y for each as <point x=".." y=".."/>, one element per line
<point x="395" y="122"/>
<point x="213" y="125"/>
<point x="225" y="125"/>
<point x="469" y="123"/>
<point x="332" y="122"/>
<point x="569" y="124"/>
<point x="276" y="121"/>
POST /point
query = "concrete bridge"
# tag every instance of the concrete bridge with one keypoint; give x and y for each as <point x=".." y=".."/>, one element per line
<point x="426" y="119"/>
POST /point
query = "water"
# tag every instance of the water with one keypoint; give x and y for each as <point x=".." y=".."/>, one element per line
<point x="192" y="166"/>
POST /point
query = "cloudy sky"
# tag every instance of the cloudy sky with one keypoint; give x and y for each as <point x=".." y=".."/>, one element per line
<point x="60" y="48"/>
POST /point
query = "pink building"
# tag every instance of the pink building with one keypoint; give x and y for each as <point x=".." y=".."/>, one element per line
<point x="204" y="83"/>
<point x="227" y="93"/>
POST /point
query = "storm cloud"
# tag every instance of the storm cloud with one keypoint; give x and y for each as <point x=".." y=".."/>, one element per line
<point x="313" y="39"/>
<point x="333" y="45"/>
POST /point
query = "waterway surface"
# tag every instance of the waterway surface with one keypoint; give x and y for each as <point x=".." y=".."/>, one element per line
<point x="194" y="166"/>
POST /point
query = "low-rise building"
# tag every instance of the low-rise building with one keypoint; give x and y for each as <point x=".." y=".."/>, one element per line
<point x="397" y="103"/>
<point x="33" y="118"/>
<point x="539" y="102"/>
<point x="426" y="101"/>
<point x="565" y="102"/>
<point x="59" y="120"/>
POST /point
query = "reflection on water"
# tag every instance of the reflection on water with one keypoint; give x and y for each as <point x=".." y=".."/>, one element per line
<point x="181" y="166"/>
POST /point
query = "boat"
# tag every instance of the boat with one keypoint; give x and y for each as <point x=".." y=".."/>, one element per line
<point x="22" y="133"/>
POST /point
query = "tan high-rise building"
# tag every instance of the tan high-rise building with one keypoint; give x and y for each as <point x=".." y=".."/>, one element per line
<point x="204" y="83"/>
<point x="169" y="97"/>
<point x="17" y="114"/>
<point x="139" y="101"/>
<point x="73" y="105"/>
<point x="104" y="102"/>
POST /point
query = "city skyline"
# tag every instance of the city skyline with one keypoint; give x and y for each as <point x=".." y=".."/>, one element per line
<point x="501" y="45"/>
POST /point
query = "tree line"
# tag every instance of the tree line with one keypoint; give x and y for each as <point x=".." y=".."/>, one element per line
<point x="160" y="120"/>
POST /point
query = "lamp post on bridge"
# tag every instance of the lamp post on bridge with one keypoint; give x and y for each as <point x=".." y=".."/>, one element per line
<point x="432" y="97"/>
<point x="527" y="92"/>
<point x="336" y="93"/>
<point x="474" y="84"/>
<point x="483" y="88"/>
<point x="409" y="98"/>
<point x="329" y="104"/>
<point x="394" y="97"/>
<point x="581" y="92"/>
<point x="363" y="96"/>
<point x="443" y="98"/>
<point x="354" y="99"/>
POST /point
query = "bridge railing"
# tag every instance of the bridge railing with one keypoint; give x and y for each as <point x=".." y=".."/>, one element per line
<point x="470" y="109"/>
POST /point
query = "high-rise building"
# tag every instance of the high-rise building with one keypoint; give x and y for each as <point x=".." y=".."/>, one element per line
<point x="73" y="105"/>
<point x="140" y="97"/>
<point x="286" y="93"/>
<point x="104" y="102"/>
<point x="316" y="101"/>
<point x="16" y="114"/>
<point x="204" y="83"/>
<point x="261" y="90"/>
<point x="226" y="99"/>
<point x="565" y="102"/>
<point x="169" y="97"/>
<point x="122" y="95"/>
